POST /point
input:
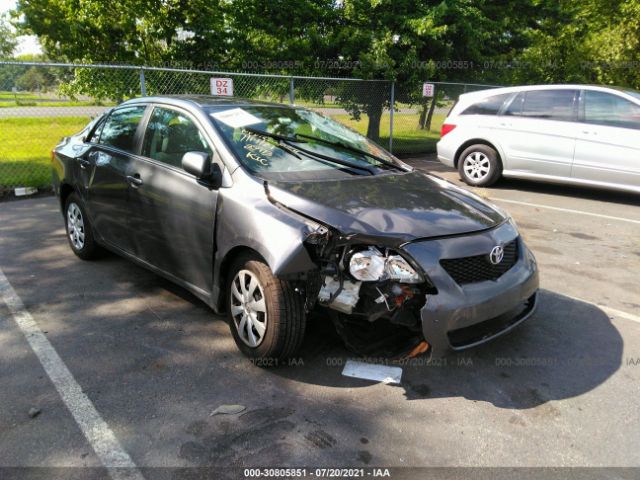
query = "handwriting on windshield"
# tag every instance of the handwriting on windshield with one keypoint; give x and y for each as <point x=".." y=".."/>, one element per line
<point x="258" y="149"/>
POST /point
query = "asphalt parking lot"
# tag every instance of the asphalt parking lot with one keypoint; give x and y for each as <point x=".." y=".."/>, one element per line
<point x="154" y="362"/>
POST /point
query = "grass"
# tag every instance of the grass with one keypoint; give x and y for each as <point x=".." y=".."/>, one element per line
<point x="25" y="148"/>
<point x="18" y="95"/>
<point x="408" y="139"/>
<point x="51" y="103"/>
<point x="26" y="143"/>
<point x="24" y="99"/>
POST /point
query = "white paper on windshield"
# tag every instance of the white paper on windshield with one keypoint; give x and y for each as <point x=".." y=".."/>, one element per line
<point x="236" y="118"/>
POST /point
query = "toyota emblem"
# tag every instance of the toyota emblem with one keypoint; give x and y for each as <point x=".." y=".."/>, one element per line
<point x="496" y="255"/>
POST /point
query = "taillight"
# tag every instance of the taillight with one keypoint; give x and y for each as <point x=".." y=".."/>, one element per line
<point x="446" y="128"/>
<point x="53" y="155"/>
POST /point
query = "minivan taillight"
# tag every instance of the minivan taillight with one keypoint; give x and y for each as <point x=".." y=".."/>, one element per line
<point x="446" y="128"/>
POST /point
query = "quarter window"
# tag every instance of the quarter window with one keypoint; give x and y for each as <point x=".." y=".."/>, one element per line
<point x="120" y="128"/>
<point x="549" y="104"/>
<point x="601" y="108"/>
<point x="170" y="134"/>
<point x="487" y="106"/>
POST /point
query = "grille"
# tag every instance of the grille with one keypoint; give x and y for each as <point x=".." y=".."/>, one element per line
<point x="478" y="268"/>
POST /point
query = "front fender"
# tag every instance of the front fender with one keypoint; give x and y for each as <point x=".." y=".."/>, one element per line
<point x="255" y="223"/>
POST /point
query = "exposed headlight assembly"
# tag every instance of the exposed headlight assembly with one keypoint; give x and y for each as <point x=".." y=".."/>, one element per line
<point x="371" y="265"/>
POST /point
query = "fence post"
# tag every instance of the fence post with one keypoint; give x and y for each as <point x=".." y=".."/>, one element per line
<point x="292" y="95"/>
<point x="143" y="86"/>
<point x="392" y="106"/>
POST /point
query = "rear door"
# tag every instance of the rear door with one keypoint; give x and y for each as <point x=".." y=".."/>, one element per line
<point x="538" y="131"/>
<point x="608" y="145"/>
<point x="173" y="213"/>
<point x="104" y="172"/>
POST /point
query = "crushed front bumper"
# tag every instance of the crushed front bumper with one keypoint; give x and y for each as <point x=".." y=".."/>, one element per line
<point x="463" y="316"/>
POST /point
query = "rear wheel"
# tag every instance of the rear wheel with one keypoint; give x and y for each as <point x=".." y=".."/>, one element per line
<point x="266" y="315"/>
<point x="79" y="231"/>
<point x="479" y="166"/>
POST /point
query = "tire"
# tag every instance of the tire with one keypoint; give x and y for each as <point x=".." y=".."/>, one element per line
<point x="479" y="166"/>
<point x="79" y="230"/>
<point x="274" y="322"/>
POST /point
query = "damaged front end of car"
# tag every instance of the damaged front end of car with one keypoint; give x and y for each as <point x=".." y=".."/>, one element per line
<point x="372" y="291"/>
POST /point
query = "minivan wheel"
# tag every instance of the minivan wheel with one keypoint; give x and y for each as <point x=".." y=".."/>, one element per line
<point x="266" y="315"/>
<point x="479" y="166"/>
<point x="79" y="231"/>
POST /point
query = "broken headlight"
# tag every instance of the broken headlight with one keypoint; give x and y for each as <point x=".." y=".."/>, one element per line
<point x="371" y="265"/>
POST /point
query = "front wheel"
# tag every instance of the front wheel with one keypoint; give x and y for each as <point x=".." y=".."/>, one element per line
<point x="266" y="315"/>
<point x="479" y="166"/>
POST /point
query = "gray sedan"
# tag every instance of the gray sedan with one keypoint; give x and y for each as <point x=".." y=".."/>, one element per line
<point x="267" y="212"/>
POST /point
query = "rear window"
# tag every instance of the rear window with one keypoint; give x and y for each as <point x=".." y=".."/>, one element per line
<point x="487" y="106"/>
<point x="549" y="104"/>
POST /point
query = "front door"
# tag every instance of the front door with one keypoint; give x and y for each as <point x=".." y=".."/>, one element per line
<point x="608" y="146"/>
<point x="173" y="213"/>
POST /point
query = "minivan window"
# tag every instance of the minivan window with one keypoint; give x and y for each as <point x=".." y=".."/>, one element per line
<point x="487" y="106"/>
<point x="601" y="108"/>
<point x="515" y="107"/>
<point x="120" y="128"/>
<point x="549" y="104"/>
<point x="170" y="134"/>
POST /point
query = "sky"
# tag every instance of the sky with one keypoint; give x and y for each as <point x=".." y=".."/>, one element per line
<point x="26" y="43"/>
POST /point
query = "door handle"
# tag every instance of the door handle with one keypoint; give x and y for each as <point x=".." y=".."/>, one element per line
<point x="134" y="180"/>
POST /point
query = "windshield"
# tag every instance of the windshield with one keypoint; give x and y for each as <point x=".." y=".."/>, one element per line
<point x="279" y="140"/>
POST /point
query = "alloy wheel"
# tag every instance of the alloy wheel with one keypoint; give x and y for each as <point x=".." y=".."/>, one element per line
<point x="75" y="226"/>
<point x="476" y="166"/>
<point x="248" y="308"/>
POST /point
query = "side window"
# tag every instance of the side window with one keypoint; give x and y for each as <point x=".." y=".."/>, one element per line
<point x="515" y="107"/>
<point x="170" y="134"/>
<point x="549" y="104"/>
<point x="602" y="108"/>
<point x="120" y="128"/>
<point x="95" y="135"/>
<point x="487" y="106"/>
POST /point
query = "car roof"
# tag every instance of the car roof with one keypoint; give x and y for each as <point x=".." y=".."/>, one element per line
<point x="521" y="88"/>
<point x="202" y="101"/>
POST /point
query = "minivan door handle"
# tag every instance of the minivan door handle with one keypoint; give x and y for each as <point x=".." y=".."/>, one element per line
<point x="134" y="180"/>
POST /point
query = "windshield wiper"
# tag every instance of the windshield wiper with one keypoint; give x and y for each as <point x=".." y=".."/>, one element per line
<point x="351" y="149"/>
<point x="309" y="153"/>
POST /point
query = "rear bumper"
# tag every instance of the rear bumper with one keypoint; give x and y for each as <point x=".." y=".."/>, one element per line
<point x="446" y="152"/>
<point x="463" y="316"/>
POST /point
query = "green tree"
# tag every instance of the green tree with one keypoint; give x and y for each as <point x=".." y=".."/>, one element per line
<point x="8" y="40"/>
<point x="411" y="41"/>
<point x="615" y="46"/>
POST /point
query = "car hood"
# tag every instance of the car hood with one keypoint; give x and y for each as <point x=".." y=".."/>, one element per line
<point x="403" y="206"/>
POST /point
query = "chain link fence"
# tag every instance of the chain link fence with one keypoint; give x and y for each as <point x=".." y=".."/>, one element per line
<point x="40" y="103"/>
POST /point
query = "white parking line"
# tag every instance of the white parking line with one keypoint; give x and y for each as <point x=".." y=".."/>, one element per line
<point x="95" y="429"/>
<point x="608" y="310"/>
<point x="566" y="210"/>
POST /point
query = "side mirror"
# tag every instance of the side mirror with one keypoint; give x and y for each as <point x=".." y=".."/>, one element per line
<point x="197" y="164"/>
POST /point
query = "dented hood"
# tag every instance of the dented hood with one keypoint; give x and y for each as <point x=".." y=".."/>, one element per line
<point x="404" y="206"/>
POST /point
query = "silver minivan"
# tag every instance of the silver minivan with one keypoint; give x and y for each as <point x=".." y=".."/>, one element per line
<point x="578" y="134"/>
